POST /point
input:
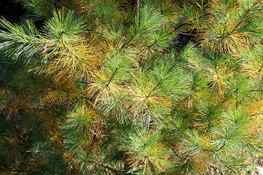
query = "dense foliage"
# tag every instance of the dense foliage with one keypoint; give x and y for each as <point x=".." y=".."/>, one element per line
<point x="140" y="87"/>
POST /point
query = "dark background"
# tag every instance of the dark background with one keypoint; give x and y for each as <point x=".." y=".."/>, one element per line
<point x="12" y="10"/>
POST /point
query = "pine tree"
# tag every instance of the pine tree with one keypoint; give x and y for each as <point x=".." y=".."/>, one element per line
<point x="132" y="87"/>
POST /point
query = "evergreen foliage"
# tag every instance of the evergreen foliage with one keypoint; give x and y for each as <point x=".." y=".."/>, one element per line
<point x="138" y="88"/>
